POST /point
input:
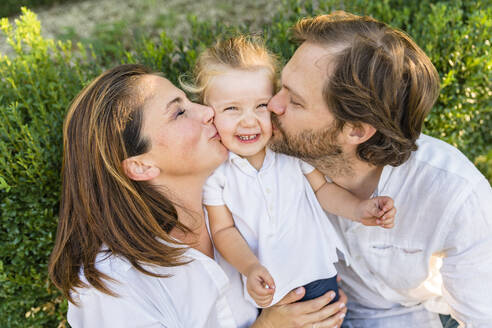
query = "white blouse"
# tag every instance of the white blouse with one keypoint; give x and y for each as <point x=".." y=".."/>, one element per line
<point x="277" y="213"/>
<point x="198" y="294"/>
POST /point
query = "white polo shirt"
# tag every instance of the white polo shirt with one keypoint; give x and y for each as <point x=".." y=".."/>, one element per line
<point x="198" y="294"/>
<point x="277" y="213"/>
<point x="440" y="251"/>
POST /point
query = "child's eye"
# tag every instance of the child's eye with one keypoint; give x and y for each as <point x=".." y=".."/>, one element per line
<point x="230" y="108"/>
<point x="262" y="106"/>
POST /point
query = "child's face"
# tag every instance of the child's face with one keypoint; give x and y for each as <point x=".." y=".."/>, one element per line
<point x="239" y="99"/>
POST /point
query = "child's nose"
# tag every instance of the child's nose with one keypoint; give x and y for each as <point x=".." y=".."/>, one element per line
<point x="248" y="120"/>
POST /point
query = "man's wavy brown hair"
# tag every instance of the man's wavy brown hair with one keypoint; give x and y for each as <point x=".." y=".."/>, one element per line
<point x="376" y="75"/>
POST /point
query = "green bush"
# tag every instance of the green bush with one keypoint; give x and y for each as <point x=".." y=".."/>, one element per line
<point x="39" y="80"/>
<point x="13" y="7"/>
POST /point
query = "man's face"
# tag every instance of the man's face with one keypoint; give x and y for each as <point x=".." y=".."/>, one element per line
<point x="302" y="124"/>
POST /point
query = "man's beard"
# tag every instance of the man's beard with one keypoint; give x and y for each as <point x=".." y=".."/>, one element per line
<point x="318" y="148"/>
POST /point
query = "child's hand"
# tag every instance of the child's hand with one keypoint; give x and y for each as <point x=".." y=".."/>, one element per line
<point x="378" y="211"/>
<point x="260" y="285"/>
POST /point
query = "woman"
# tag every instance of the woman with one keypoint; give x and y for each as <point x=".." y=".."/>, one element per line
<point x="132" y="247"/>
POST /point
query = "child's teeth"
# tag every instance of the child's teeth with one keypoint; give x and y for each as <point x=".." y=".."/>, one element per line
<point x="247" y="137"/>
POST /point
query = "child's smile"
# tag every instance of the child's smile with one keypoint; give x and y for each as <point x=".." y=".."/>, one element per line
<point x="239" y="99"/>
<point x="248" y="138"/>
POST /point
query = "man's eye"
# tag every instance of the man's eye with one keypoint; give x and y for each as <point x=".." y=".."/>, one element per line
<point x="230" y="108"/>
<point x="295" y="103"/>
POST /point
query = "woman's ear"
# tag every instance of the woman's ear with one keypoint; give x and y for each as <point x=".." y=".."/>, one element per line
<point x="138" y="169"/>
<point x="357" y="134"/>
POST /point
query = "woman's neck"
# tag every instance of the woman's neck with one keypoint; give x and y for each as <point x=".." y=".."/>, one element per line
<point x="186" y="193"/>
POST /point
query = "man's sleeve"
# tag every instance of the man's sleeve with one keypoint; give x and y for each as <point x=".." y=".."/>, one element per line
<point x="467" y="265"/>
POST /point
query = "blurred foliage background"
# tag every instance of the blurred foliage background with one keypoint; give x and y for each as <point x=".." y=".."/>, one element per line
<point x="39" y="76"/>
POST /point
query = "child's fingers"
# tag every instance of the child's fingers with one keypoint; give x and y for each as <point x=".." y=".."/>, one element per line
<point x="369" y="222"/>
<point x="264" y="301"/>
<point x="372" y="208"/>
<point x="387" y="221"/>
<point x="260" y="290"/>
<point x="387" y="203"/>
<point x="389" y="215"/>
<point x="267" y="279"/>
<point x="389" y="225"/>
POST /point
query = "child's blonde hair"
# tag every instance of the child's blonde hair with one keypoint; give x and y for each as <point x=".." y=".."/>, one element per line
<point x="241" y="52"/>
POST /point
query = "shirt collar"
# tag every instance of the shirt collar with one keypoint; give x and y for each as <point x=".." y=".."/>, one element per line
<point x="246" y="167"/>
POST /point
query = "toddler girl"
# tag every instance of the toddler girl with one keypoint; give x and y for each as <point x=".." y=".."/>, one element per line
<point x="263" y="209"/>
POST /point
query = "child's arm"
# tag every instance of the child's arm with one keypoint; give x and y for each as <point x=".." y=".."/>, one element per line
<point x="236" y="251"/>
<point x="378" y="211"/>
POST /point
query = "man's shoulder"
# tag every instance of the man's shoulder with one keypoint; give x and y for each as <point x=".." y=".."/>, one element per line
<point x="437" y="157"/>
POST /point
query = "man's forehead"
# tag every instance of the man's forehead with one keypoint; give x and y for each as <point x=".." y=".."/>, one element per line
<point x="313" y="58"/>
<point x="302" y="64"/>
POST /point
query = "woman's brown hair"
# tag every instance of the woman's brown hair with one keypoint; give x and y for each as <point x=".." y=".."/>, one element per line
<point x="100" y="206"/>
<point x="376" y="75"/>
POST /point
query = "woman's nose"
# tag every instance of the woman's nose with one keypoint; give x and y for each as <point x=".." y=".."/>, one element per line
<point x="277" y="103"/>
<point x="207" y="114"/>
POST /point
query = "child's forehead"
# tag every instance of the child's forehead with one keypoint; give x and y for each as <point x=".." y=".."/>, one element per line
<point x="233" y="78"/>
<point x="236" y="83"/>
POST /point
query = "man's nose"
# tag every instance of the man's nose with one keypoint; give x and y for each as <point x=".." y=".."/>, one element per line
<point x="277" y="104"/>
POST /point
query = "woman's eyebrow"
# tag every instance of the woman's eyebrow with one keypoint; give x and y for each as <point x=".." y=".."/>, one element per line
<point x="177" y="100"/>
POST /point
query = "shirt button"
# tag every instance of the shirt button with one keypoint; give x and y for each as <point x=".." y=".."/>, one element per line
<point x="268" y="190"/>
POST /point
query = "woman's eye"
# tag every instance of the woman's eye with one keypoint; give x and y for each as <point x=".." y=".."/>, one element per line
<point x="230" y="108"/>
<point x="180" y="112"/>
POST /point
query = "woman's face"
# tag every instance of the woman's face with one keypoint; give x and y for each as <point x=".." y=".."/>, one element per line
<point x="183" y="139"/>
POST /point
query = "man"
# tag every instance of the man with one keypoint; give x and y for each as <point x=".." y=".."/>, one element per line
<point x="352" y="103"/>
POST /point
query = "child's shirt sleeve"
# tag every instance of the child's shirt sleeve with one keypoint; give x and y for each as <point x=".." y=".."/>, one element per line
<point x="305" y="167"/>
<point x="214" y="188"/>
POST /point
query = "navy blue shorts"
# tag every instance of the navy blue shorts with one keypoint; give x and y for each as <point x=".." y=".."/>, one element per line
<point x="320" y="287"/>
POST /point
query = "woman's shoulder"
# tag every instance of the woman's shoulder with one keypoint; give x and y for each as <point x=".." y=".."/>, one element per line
<point x="156" y="299"/>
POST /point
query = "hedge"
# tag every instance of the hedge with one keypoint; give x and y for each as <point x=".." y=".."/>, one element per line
<point x="41" y="77"/>
<point x="13" y="7"/>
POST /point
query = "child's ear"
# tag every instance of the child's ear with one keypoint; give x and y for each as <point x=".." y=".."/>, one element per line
<point x="136" y="168"/>
<point x="357" y="134"/>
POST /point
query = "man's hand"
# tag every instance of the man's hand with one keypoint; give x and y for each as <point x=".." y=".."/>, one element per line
<point x="378" y="211"/>
<point x="260" y="285"/>
<point x="288" y="313"/>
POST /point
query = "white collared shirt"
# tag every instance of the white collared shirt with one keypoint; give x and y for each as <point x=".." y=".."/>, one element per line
<point x="198" y="294"/>
<point x="440" y="251"/>
<point x="277" y="213"/>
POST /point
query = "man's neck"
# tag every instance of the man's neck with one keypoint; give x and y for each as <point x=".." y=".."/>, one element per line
<point x="362" y="181"/>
